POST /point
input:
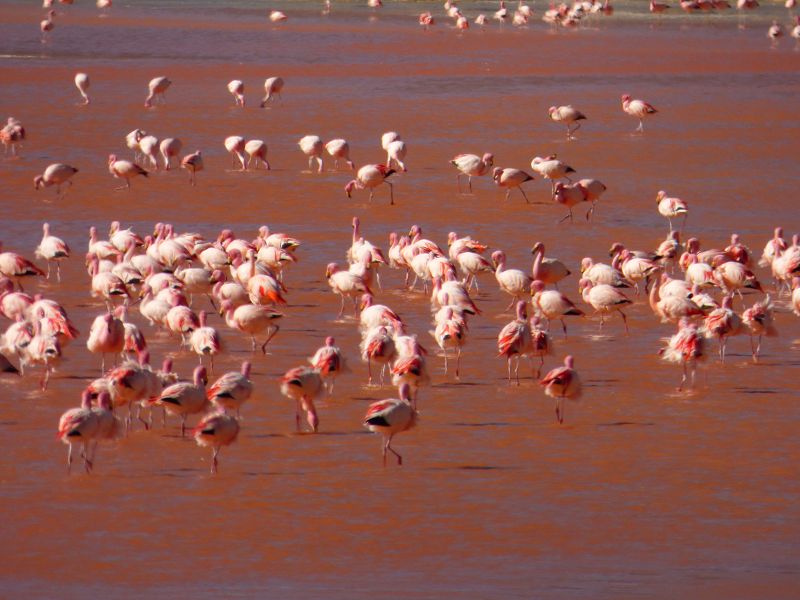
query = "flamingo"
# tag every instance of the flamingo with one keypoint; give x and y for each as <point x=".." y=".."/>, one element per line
<point x="369" y="177"/>
<point x="758" y="319"/>
<point x="562" y="382"/>
<point x="192" y="163"/>
<point x="547" y="270"/>
<point x="585" y="190"/>
<point x="390" y="417"/>
<point x="232" y="389"/>
<point x="89" y="425"/>
<point x="216" y="430"/>
<point x="775" y="31"/>
<point x="252" y="320"/>
<point x="568" y="115"/>
<point x="451" y="332"/>
<point x="514" y="340"/>
<point x="82" y="83"/>
<point x="235" y="145"/>
<point x="186" y="398"/>
<point x="12" y="135"/>
<point x="551" y="168"/>
<point x="671" y="208"/>
<point x="236" y="88"/>
<point x="42" y="349"/>
<point x="148" y="146"/>
<point x="604" y="299"/>
<point x="157" y="88"/>
<point x="345" y="283"/>
<point x="722" y="323"/>
<point x="272" y="88"/>
<point x="329" y="362"/>
<point x="47" y="25"/>
<point x="637" y="108"/>
<point x="426" y="20"/>
<point x="511" y="178"/>
<point x="658" y="7"/>
<point x="205" y="340"/>
<point x="124" y="169"/>
<point x="410" y="365"/>
<point x="471" y="165"/>
<point x="132" y="141"/>
<point x="15" y="266"/>
<point x="303" y="385"/>
<point x="396" y="152"/>
<point x="686" y="347"/>
<point x="312" y="147"/>
<point x="339" y="148"/>
<point x="378" y="346"/>
<point x="277" y="16"/>
<point x="106" y="336"/>
<point x="169" y="148"/>
<point x="552" y="304"/>
<point x="52" y="249"/>
<point x="256" y="151"/>
<point x="512" y="281"/>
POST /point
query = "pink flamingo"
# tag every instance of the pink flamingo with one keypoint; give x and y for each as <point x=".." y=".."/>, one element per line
<point x="568" y="115"/>
<point x="272" y="87"/>
<point x="124" y="169"/>
<point x="552" y="304"/>
<point x="471" y="165"/>
<point x="236" y="88"/>
<point x="55" y="174"/>
<point x="369" y="177"/>
<point x="511" y="178"/>
<point x="686" y="347"/>
<point x="52" y="249"/>
<point x="560" y="383"/>
<point x="330" y="363"/>
<point x="232" y="389"/>
<point x="216" y="430"/>
<point x="390" y="417"/>
<point x="186" y="398"/>
<point x="157" y="88"/>
<point x="303" y="385"/>
<point x="637" y="108"/>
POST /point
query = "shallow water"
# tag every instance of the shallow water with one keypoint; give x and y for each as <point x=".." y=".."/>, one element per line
<point x="643" y="492"/>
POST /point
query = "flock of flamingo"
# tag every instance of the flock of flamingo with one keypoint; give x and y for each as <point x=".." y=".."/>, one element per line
<point x="166" y="275"/>
<point x="562" y="15"/>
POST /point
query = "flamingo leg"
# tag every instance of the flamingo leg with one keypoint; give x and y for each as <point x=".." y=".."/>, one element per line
<point x="458" y="363"/>
<point x="391" y="192"/>
<point x="392" y="450"/>
<point x="341" y="310"/>
<point x="297" y="414"/>
<point x="69" y="458"/>
<point x="214" y="460"/>
<point x="521" y="191"/>
<point x="183" y="425"/>
<point x="563" y="326"/>
<point x="624" y="320"/>
<point x="273" y="333"/>
<point x="509" y="370"/>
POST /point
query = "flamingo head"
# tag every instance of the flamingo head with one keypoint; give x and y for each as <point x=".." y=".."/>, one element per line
<point x="488" y="158"/>
<point x="104" y="400"/>
<point x="586" y="263"/>
<point x="537" y="247"/>
<point x="497" y="173"/>
<point x="615" y="248"/>
<point x="366" y="301"/>
<point x="660" y="196"/>
<point x="112" y="158"/>
<point x="537" y="286"/>
<point x="330" y="342"/>
<point x="348" y="189"/>
<point x="626" y="98"/>
<point x="38" y="182"/>
<point x="498" y="257"/>
<point x="200" y="376"/>
<point x="331" y="269"/>
<point x="551" y="110"/>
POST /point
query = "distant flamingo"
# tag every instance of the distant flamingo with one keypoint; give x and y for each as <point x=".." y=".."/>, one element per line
<point x="232" y="389"/>
<point x="604" y="299"/>
<point x="106" y="336"/>
<point x="312" y="147"/>
<point x="390" y="417"/>
<point x="722" y="323"/>
<point x="511" y="178"/>
<point x="235" y="145"/>
<point x="637" y="108"/>
<point x="82" y="83"/>
<point x="568" y="115"/>
<point x="170" y="148"/>
<point x="256" y="151"/>
<point x="671" y="208"/>
<point x="252" y="320"/>
<point x="277" y="16"/>
<point x="369" y="177"/>
<point x="686" y="347"/>
<point x="186" y="398"/>
<point x="272" y="88"/>
<point x="471" y="165"/>
<point x="562" y="383"/>
<point x="52" y="249"/>
<point x="15" y="267"/>
<point x="157" y="88"/>
<point x="330" y="363"/>
<point x="339" y="149"/>
<point x="216" y="430"/>
<point x="192" y="163"/>
<point x="236" y="88"/>
<point x="55" y="174"/>
<point x="552" y="304"/>
<point x="512" y="281"/>
<point x="303" y="385"/>
<point x="124" y="169"/>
